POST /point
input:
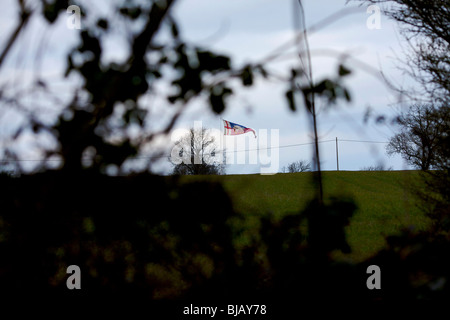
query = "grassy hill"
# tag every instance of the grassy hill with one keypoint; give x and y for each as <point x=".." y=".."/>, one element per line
<point x="385" y="200"/>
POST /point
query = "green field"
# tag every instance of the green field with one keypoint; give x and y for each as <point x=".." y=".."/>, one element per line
<point x="385" y="200"/>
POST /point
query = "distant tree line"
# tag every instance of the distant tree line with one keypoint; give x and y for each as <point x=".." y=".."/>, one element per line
<point x="377" y="167"/>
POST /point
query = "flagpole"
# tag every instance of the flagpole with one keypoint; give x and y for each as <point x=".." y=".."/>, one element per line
<point x="222" y="142"/>
<point x="337" y="155"/>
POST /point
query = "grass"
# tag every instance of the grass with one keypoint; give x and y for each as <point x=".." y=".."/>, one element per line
<point x="385" y="200"/>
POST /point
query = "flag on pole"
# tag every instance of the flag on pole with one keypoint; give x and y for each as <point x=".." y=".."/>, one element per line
<point x="232" y="129"/>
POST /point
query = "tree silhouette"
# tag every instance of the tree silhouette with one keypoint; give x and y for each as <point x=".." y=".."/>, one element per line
<point x="424" y="24"/>
<point x="420" y="137"/>
<point x="297" y="166"/>
<point x="195" y="153"/>
<point x="425" y="144"/>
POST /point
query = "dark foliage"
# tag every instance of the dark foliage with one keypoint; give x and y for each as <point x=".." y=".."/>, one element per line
<point x="146" y="238"/>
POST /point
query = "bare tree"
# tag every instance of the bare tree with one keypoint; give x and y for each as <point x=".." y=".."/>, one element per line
<point x="424" y="140"/>
<point x="297" y="166"/>
<point x="424" y="25"/>
<point x="378" y="167"/>
<point x="197" y="153"/>
<point x="419" y="139"/>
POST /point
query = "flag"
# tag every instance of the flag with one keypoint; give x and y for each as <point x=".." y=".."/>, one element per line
<point x="232" y="129"/>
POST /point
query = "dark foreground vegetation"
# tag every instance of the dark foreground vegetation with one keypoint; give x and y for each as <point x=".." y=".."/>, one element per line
<point x="147" y="239"/>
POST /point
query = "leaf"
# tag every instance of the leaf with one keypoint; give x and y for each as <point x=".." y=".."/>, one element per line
<point x="217" y="103"/>
<point x="174" y="30"/>
<point x="90" y="43"/>
<point x="380" y="119"/>
<point x="247" y="76"/>
<point x="217" y="98"/>
<point x="156" y="74"/>
<point x="52" y="9"/>
<point x="343" y="71"/>
<point x="347" y="95"/>
<point x="367" y="115"/>
<point x="212" y="62"/>
<point x="172" y="99"/>
<point x="291" y="100"/>
<point x="132" y="13"/>
<point x="294" y="74"/>
<point x="102" y="23"/>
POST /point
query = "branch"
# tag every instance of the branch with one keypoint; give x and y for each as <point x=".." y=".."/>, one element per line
<point x="24" y="18"/>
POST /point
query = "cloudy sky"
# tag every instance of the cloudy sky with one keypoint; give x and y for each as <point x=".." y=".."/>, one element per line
<point x="250" y="31"/>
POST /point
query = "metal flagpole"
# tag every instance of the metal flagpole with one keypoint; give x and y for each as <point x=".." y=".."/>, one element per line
<point x="337" y="155"/>
<point x="222" y="138"/>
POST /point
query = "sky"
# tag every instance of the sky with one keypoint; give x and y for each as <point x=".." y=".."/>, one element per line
<point x="250" y="31"/>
